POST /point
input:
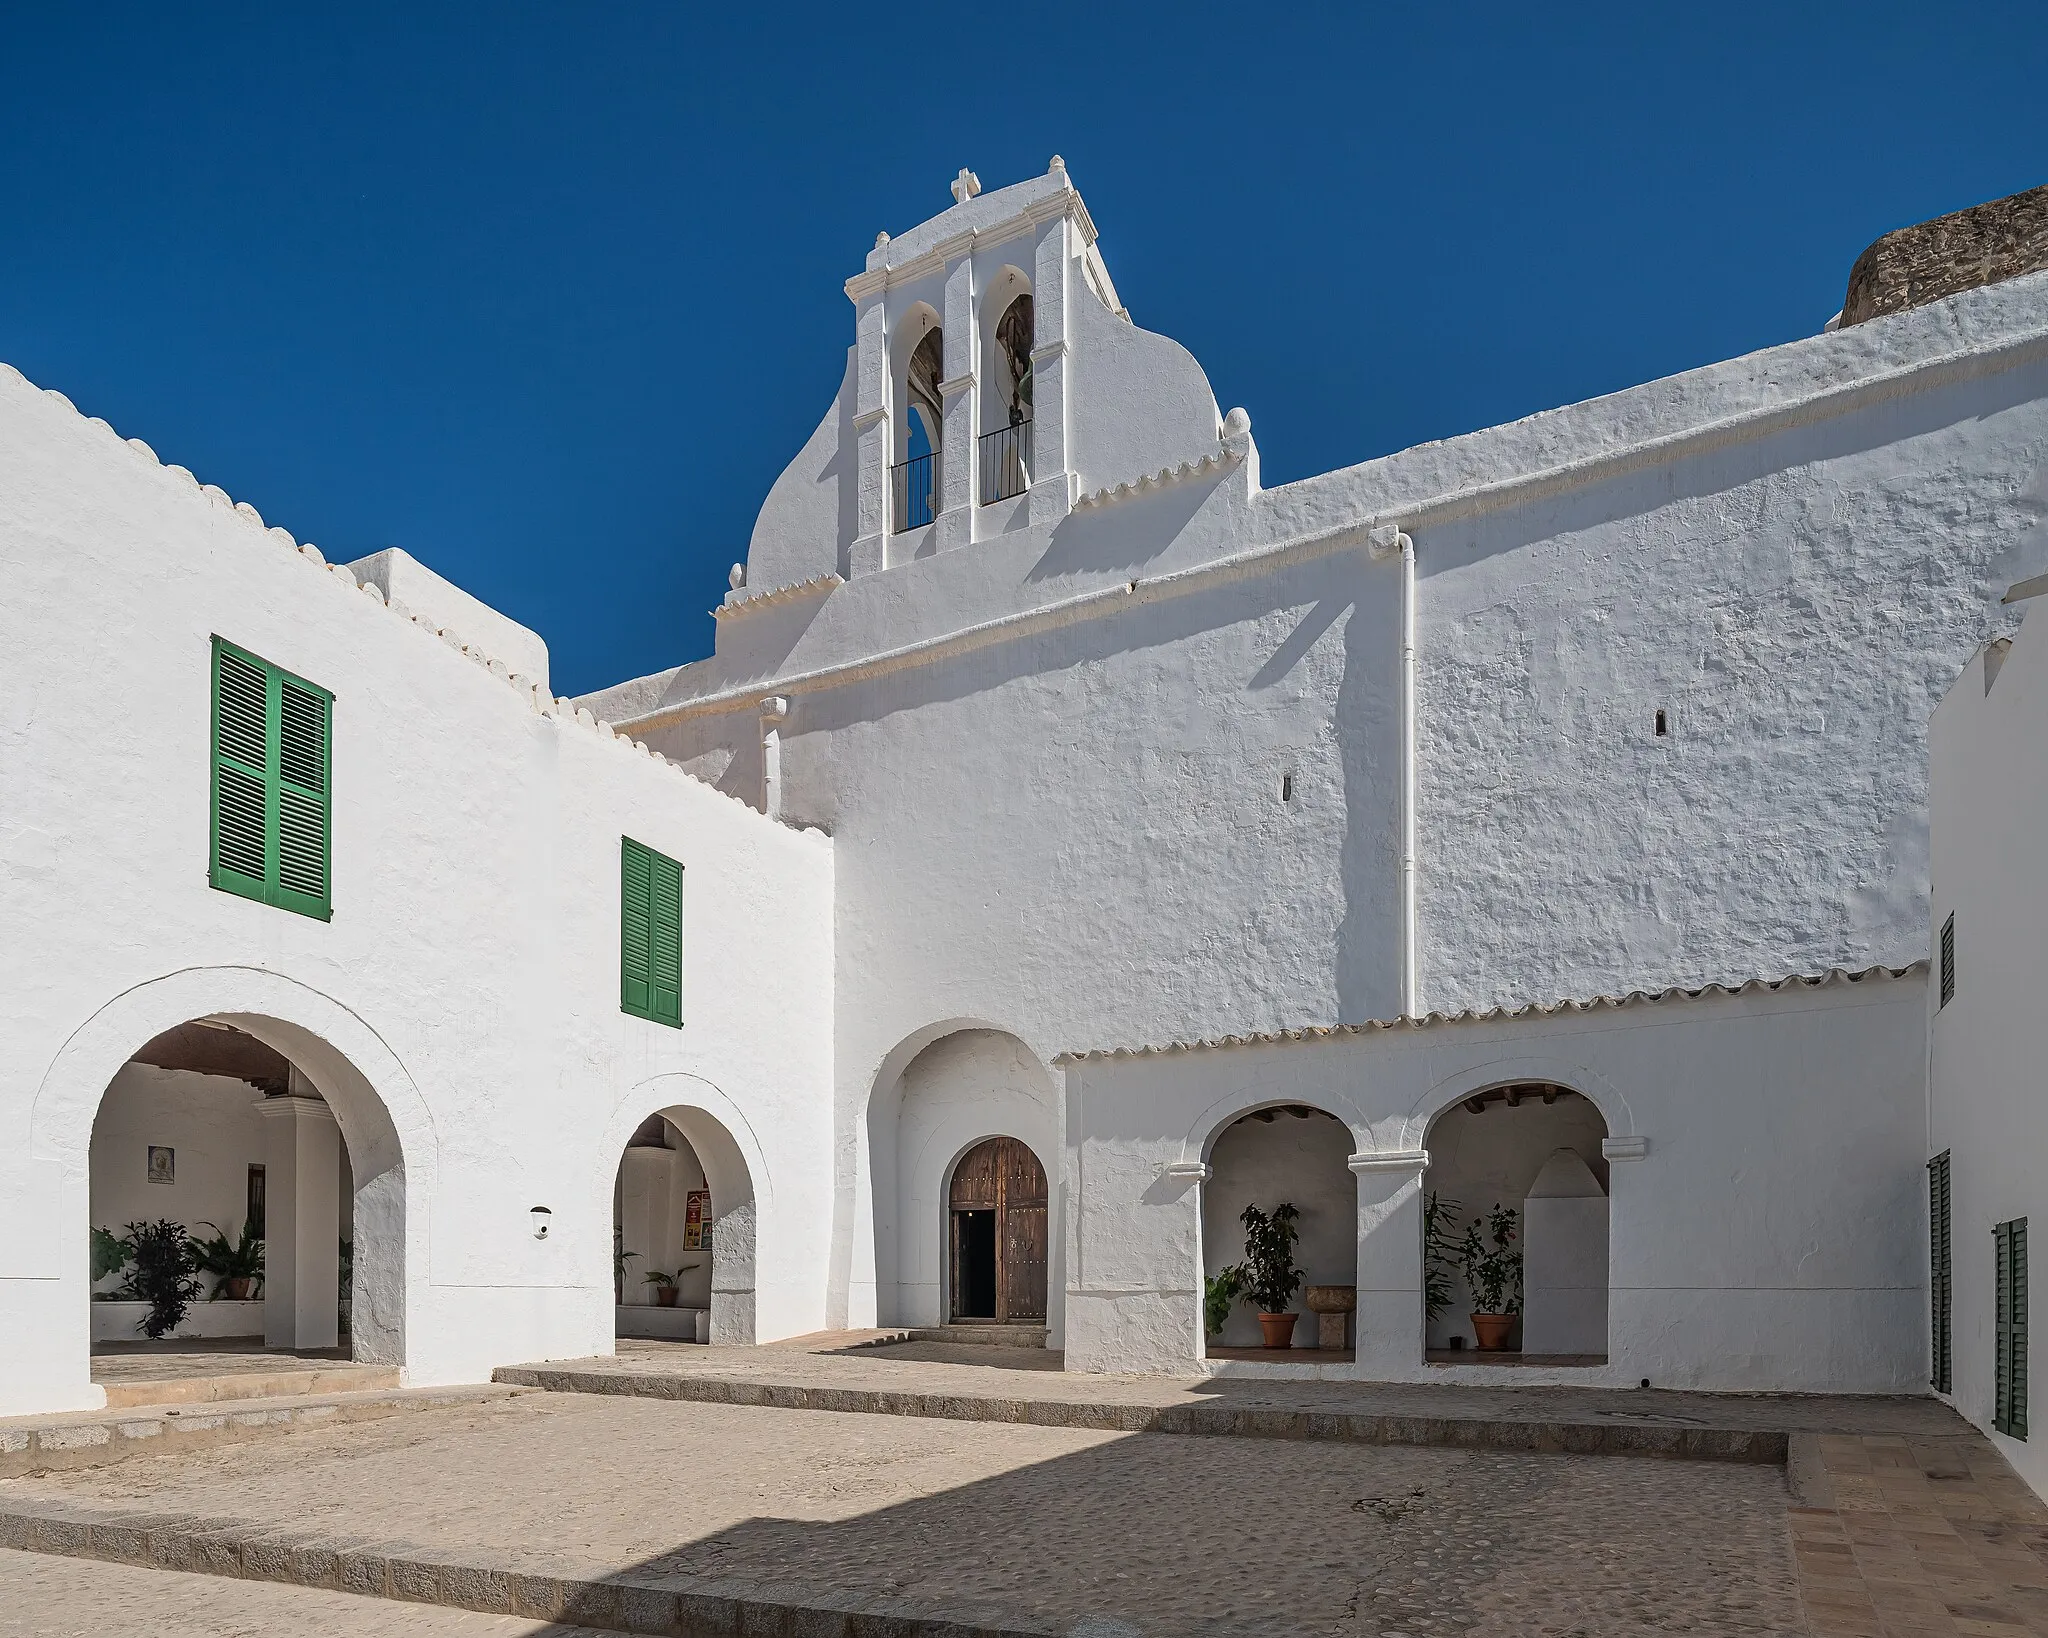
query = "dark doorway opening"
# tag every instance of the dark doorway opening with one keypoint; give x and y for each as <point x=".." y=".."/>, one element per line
<point x="974" y="1256"/>
<point x="998" y="1205"/>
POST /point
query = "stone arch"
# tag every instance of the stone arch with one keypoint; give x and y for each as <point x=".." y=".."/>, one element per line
<point x="1453" y="1089"/>
<point x="735" y="1171"/>
<point x="1530" y="1137"/>
<point x="913" y="382"/>
<point x="382" y="1116"/>
<point x="1234" y="1105"/>
<point x="989" y="1083"/>
<point x="1270" y="1151"/>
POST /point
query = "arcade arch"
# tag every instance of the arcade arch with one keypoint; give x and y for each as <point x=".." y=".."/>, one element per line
<point x="683" y="1206"/>
<point x="1533" y="1148"/>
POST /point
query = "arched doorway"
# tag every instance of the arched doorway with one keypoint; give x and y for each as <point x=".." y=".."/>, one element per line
<point x="683" y="1226"/>
<point x="1518" y="1169"/>
<point x="1280" y="1156"/>
<point x="997" y="1208"/>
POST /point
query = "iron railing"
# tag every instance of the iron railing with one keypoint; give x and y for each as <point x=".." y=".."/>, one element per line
<point x="916" y="486"/>
<point x="1005" y="462"/>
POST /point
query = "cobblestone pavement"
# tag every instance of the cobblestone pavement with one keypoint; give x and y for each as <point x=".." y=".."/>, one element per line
<point x="44" y="1597"/>
<point x="1920" y="1538"/>
<point x="968" y="1369"/>
<point x="1065" y="1529"/>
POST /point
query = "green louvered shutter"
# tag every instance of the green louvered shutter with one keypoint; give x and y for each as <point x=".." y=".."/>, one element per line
<point x="665" y="943"/>
<point x="635" y="890"/>
<point x="272" y="809"/>
<point x="1941" y="1277"/>
<point x="2009" y="1368"/>
<point x="650" y="934"/>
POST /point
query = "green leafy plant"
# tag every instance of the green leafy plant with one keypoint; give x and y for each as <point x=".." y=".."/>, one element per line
<point x="226" y="1259"/>
<point x="1268" y="1275"/>
<point x="1491" y="1262"/>
<point x="1441" y="1254"/>
<point x="109" y="1256"/>
<point x="654" y="1276"/>
<point x="620" y="1258"/>
<point x="160" y="1275"/>
<point x="1219" y="1293"/>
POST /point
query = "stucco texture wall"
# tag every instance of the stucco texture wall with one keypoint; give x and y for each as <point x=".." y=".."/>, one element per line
<point x="1990" y="781"/>
<point x="460" y="1012"/>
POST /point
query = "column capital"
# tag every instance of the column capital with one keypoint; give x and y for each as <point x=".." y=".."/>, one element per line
<point x="295" y="1108"/>
<point x="1624" y="1148"/>
<point x="1390" y="1160"/>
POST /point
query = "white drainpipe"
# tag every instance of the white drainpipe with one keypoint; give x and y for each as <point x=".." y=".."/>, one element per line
<point x="1385" y="541"/>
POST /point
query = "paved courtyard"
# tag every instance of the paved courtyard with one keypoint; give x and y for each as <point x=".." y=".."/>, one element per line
<point x="1051" y="1529"/>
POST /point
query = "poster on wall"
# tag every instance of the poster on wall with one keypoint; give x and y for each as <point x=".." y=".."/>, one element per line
<point x="163" y="1164"/>
<point x="697" y="1220"/>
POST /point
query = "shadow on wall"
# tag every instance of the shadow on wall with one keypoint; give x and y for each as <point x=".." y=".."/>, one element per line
<point x="1152" y="1532"/>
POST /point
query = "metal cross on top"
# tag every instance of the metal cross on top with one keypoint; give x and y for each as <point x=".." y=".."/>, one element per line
<point x="965" y="186"/>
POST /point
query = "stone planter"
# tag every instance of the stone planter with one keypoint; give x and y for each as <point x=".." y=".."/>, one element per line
<point x="1329" y="1304"/>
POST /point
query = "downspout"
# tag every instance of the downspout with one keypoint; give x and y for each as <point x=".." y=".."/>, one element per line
<point x="1385" y="541"/>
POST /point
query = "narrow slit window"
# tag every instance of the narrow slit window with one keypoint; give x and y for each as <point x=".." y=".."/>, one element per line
<point x="1948" y="960"/>
<point x="1663" y="727"/>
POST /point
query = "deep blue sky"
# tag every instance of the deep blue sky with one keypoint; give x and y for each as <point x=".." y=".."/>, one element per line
<point x="549" y="294"/>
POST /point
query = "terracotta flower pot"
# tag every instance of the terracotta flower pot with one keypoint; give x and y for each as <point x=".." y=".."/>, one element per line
<point x="1278" y="1329"/>
<point x="1492" y="1330"/>
<point x="665" y="1295"/>
<point x="238" y="1289"/>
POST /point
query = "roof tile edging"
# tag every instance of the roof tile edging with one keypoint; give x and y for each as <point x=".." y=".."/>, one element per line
<point x="1164" y="478"/>
<point x="737" y="603"/>
<point x="1533" y="1009"/>
<point x="559" y="708"/>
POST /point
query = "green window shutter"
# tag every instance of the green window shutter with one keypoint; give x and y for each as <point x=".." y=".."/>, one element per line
<point x="650" y="934"/>
<point x="1941" y="1276"/>
<point x="2009" y="1355"/>
<point x="272" y="807"/>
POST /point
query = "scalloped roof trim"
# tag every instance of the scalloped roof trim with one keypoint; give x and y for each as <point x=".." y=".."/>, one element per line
<point x="1164" y="478"/>
<point x="736" y="603"/>
<point x="1834" y="977"/>
<point x="562" y="709"/>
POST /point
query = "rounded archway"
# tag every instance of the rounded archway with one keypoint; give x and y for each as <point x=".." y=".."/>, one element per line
<point x="337" y="1072"/>
<point x="684" y="1218"/>
<point x="1517" y="1191"/>
<point x="997" y="1236"/>
<point x="1266" y="1159"/>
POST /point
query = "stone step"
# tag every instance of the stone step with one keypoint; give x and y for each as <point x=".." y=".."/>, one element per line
<point x="287" y="1381"/>
<point x="1588" y="1438"/>
<point x="689" y="1606"/>
<point x="50" y="1444"/>
<point x="991" y="1335"/>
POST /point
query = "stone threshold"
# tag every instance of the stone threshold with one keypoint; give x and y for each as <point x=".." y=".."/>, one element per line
<point x="289" y="1380"/>
<point x="55" y="1444"/>
<point x="1582" y="1438"/>
<point x="675" y="1606"/>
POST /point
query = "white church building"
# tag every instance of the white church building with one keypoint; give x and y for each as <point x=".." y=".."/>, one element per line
<point x="1069" y="843"/>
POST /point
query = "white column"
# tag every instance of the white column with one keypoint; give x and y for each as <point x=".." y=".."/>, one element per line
<point x="774" y="712"/>
<point x="958" y="462"/>
<point x="1389" y="1318"/>
<point x="1052" y="493"/>
<point x="302" y="1223"/>
<point x="871" y="436"/>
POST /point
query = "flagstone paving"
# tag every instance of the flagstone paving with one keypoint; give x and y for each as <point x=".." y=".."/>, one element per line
<point x="1057" y="1528"/>
<point x="44" y="1597"/>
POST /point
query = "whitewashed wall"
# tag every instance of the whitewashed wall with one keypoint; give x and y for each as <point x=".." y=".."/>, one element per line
<point x="1740" y="1258"/>
<point x="1990" y="778"/>
<point x="1052" y="758"/>
<point x="460" y="1012"/>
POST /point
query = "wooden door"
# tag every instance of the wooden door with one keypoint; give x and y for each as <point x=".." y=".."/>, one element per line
<point x="1003" y="1175"/>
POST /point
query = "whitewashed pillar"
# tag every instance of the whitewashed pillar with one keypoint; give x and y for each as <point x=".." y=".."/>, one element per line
<point x="774" y="713"/>
<point x="957" y="461"/>
<point x="301" y="1223"/>
<point x="1389" y="1318"/>
<point x="871" y="435"/>
<point x="1052" y="493"/>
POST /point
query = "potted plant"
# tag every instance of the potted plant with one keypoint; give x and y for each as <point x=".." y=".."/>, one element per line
<point x="109" y="1256"/>
<point x="236" y="1265"/>
<point x="1493" y="1269"/>
<point x="160" y="1274"/>
<point x="1267" y="1274"/>
<point x="620" y="1258"/>
<point x="1219" y="1294"/>
<point x="664" y="1287"/>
